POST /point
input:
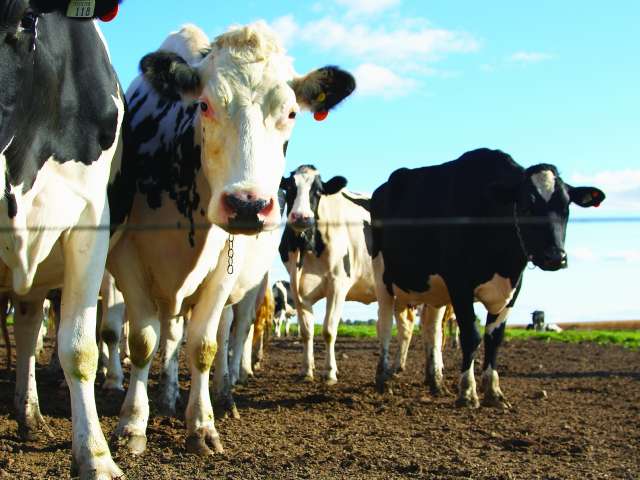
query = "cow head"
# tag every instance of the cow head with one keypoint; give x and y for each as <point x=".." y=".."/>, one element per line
<point x="18" y="50"/>
<point x="541" y="211"/>
<point x="303" y="190"/>
<point x="248" y="96"/>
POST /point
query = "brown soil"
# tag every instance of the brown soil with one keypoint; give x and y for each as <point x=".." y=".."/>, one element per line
<point x="587" y="426"/>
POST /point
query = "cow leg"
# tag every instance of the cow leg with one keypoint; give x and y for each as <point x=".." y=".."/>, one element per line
<point x="84" y="259"/>
<point x="335" y="304"/>
<point x="257" y="352"/>
<point x="144" y="335"/>
<point x="223" y="399"/>
<point x="384" y="325"/>
<point x="287" y="325"/>
<point x="431" y="320"/>
<point x="305" y="319"/>
<point x="54" y="369"/>
<point x="244" y="313"/>
<point x="493" y="336"/>
<point x="277" y="323"/>
<point x="4" y="312"/>
<point x="405" y="321"/>
<point x="171" y="338"/>
<point x="469" y="340"/>
<point x="110" y="333"/>
<point x="28" y="318"/>
<point x="246" y="367"/>
<point x="124" y="343"/>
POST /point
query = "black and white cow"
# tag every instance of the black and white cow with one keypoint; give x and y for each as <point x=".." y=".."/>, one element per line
<point x="284" y="307"/>
<point x="61" y="111"/>
<point x="326" y="247"/>
<point x="463" y="230"/>
<point x="210" y="122"/>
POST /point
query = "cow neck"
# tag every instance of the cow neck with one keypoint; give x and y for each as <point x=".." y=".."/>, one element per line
<point x="528" y="257"/>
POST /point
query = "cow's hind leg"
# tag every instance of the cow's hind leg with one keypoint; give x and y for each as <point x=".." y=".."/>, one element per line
<point x="222" y="396"/>
<point x="110" y="333"/>
<point x="384" y="325"/>
<point x="493" y="336"/>
<point x="432" y="338"/>
<point x="244" y="315"/>
<point x="28" y="319"/>
<point x="172" y="332"/>
<point x="469" y="340"/>
<point x="4" y="312"/>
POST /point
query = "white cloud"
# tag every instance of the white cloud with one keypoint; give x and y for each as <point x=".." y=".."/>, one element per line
<point x="587" y="254"/>
<point x="376" y="80"/>
<point x="530" y="57"/>
<point x="286" y="27"/>
<point x="356" y="7"/>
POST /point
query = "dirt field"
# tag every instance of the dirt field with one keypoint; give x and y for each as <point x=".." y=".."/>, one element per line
<point x="587" y="427"/>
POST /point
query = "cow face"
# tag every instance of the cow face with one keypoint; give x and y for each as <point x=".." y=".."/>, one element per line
<point x="542" y="211"/>
<point x="303" y="190"/>
<point x="248" y="98"/>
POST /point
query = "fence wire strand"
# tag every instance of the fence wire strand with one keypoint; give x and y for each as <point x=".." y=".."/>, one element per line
<point x="382" y="223"/>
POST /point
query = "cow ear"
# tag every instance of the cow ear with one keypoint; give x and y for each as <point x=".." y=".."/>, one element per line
<point x="170" y="75"/>
<point x="586" y="196"/>
<point x="334" y="185"/>
<point x="322" y="89"/>
<point x="284" y="183"/>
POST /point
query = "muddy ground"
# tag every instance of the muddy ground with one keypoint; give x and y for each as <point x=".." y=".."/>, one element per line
<point x="587" y="427"/>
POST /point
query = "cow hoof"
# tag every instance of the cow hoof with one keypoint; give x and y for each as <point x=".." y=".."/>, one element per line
<point x="467" y="402"/>
<point x="136" y="444"/>
<point x="34" y="428"/>
<point x="98" y="468"/>
<point x="496" y="402"/>
<point x="306" y="378"/>
<point x="226" y="408"/>
<point x="439" y="390"/>
<point x="330" y="382"/>
<point x="198" y="443"/>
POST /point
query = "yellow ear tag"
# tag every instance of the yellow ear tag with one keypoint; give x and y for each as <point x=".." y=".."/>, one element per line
<point x="81" y="8"/>
<point x="321" y="97"/>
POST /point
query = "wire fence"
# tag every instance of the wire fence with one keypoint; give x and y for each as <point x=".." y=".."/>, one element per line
<point x="382" y="223"/>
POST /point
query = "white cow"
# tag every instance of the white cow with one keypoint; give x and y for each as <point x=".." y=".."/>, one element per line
<point x="326" y="249"/>
<point x="209" y="127"/>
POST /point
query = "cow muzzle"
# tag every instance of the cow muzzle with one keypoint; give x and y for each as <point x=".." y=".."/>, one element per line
<point x="245" y="212"/>
<point x="300" y="222"/>
<point x="553" y="259"/>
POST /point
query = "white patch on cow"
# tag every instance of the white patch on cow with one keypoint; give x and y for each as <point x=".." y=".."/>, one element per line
<point x="545" y="183"/>
<point x="302" y="204"/>
<point x="495" y="294"/>
<point x="189" y="42"/>
<point x="500" y="319"/>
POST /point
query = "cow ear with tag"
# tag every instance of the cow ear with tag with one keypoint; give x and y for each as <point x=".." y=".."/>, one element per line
<point x="171" y="76"/>
<point x="586" y="196"/>
<point x="334" y="185"/>
<point x="322" y="89"/>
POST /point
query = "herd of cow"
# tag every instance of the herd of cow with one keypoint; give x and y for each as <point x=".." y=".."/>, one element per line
<point x="93" y="176"/>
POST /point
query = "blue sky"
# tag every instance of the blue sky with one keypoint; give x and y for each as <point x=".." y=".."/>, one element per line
<point x="545" y="81"/>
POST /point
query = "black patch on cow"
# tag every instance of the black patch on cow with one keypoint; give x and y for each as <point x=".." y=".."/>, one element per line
<point x="284" y="147"/>
<point x="170" y="75"/>
<point x="346" y="264"/>
<point x="307" y="241"/>
<point x="12" y="205"/>
<point x="361" y="202"/>
<point x="57" y="97"/>
<point x="173" y="166"/>
<point x="368" y="237"/>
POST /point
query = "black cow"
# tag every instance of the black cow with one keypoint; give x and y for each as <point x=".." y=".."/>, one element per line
<point x="61" y="111"/>
<point x="463" y="230"/>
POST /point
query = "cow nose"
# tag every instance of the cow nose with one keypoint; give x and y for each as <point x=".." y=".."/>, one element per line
<point x="300" y="221"/>
<point x="245" y="204"/>
<point x="555" y="259"/>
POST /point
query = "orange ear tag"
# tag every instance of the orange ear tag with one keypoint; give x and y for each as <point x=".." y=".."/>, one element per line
<point x="107" y="17"/>
<point x="321" y="115"/>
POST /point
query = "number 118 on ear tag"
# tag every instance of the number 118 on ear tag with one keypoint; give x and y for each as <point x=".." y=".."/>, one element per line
<point x="81" y="8"/>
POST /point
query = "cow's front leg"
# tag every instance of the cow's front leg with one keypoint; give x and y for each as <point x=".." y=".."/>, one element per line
<point x="432" y="338"/>
<point x="84" y="259"/>
<point x="305" y="322"/>
<point x="469" y="340"/>
<point x="110" y="333"/>
<point x="28" y="319"/>
<point x="405" y="320"/>
<point x="335" y="303"/>
<point x="492" y="396"/>
<point x="244" y="313"/>
<point x="171" y="338"/>
<point x="223" y="399"/>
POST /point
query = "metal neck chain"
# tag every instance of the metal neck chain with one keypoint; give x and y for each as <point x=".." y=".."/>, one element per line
<point x="230" y="255"/>
<point x="519" y="233"/>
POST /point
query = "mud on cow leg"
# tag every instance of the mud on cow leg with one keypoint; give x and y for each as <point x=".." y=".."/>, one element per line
<point x="28" y="319"/>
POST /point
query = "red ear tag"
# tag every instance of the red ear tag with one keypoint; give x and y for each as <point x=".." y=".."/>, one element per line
<point x="107" y="17"/>
<point x="321" y="115"/>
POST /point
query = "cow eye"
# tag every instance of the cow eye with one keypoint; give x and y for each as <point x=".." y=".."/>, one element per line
<point x="292" y="115"/>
